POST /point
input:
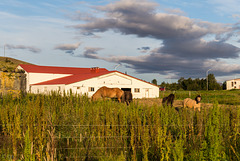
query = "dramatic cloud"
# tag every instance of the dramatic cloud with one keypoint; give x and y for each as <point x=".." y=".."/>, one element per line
<point x="186" y="44"/>
<point x="68" y="48"/>
<point x="30" y="48"/>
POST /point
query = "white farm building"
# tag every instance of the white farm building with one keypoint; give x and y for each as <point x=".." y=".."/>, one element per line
<point x="44" y="79"/>
<point x="233" y="84"/>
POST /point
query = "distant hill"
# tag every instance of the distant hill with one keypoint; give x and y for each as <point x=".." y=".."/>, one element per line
<point x="9" y="64"/>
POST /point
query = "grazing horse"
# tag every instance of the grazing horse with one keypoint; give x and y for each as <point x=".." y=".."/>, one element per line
<point x="195" y="104"/>
<point x="168" y="99"/>
<point x="104" y="92"/>
<point x="127" y="97"/>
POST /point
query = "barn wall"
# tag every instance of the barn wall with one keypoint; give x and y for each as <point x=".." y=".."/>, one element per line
<point x="146" y="90"/>
<point x="34" y="78"/>
<point x="112" y="80"/>
<point x="46" y="89"/>
<point x="12" y="83"/>
<point x="233" y="84"/>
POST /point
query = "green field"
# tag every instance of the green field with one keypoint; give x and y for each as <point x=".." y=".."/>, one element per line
<point x="230" y="97"/>
<point x="55" y="127"/>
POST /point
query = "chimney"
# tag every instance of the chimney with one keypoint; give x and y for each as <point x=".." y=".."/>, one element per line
<point x="94" y="69"/>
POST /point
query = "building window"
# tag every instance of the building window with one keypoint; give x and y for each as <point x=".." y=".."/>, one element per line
<point x="90" y="89"/>
<point x="78" y="87"/>
<point x="137" y="90"/>
<point x="232" y="84"/>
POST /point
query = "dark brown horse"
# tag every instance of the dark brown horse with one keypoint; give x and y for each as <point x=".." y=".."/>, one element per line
<point x="127" y="97"/>
<point x="168" y="99"/>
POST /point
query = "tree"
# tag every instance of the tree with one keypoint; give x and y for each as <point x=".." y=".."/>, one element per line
<point x="154" y="81"/>
<point x="212" y="83"/>
<point x="181" y="83"/>
<point x="224" y="85"/>
<point x="194" y="84"/>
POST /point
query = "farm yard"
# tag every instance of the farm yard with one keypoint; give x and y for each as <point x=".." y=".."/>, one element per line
<point x="70" y="127"/>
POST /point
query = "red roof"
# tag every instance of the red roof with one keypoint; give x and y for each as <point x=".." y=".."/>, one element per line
<point x="57" y="70"/>
<point x="72" y="78"/>
<point x="77" y="74"/>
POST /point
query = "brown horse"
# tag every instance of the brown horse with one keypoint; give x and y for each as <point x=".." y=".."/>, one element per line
<point x="195" y="104"/>
<point x="104" y="92"/>
<point x="169" y="99"/>
<point x="127" y="97"/>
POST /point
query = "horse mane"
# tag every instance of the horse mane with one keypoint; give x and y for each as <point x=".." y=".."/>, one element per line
<point x="195" y="104"/>
<point x="196" y="98"/>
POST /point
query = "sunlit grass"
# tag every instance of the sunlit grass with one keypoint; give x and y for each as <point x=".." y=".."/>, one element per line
<point x="72" y="127"/>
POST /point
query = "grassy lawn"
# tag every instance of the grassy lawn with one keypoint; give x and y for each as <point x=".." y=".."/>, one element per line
<point x="228" y="97"/>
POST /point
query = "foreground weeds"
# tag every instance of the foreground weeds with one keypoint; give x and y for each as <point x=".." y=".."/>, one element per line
<point x="55" y="127"/>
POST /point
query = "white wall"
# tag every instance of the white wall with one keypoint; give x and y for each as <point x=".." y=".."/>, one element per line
<point x="47" y="89"/>
<point x="233" y="84"/>
<point x="33" y="78"/>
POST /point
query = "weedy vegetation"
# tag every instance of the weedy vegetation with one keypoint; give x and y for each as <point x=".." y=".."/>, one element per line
<point x="70" y="127"/>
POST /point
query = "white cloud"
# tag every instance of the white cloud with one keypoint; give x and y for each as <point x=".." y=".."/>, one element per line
<point x="30" y="48"/>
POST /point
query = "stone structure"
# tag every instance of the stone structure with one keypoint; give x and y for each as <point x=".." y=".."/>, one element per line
<point x="12" y="83"/>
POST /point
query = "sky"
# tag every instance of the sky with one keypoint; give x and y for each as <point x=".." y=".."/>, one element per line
<point x="148" y="39"/>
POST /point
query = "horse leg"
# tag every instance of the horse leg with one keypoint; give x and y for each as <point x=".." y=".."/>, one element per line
<point x="164" y="101"/>
<point x="168" y="101"/>
<point x="163" y="104"/>
<point x="119" y="99"/>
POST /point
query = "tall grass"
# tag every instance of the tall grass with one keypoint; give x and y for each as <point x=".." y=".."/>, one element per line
<point x="70" y="127"/>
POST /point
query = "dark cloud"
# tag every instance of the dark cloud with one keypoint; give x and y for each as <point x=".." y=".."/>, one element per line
<point x="199" y="49"/>
<point x="175" y="65"/>
<point x="71" y="52"/>
<point x="68" y="48"/>
<point x="144" y="49"/>
<point x="30" y="48"/>
<point x="187" y="45"/>
<point x="91" y="52"/>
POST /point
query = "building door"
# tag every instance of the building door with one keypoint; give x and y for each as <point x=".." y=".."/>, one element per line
<point x="147" y="93"/>
<point x="126" y="89"/>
